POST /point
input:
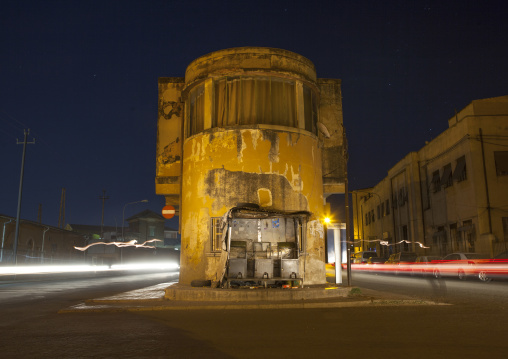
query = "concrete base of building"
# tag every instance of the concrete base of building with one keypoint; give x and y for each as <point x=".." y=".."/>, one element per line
<point x="180" y="292"/>
<point x="191" y="298"/>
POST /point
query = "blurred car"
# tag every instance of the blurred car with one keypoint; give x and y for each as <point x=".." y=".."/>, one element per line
<point x="460" y="265"/>
<point x="401" y="262"/>
<point x="363" y="257"/>
<point x="402" y="257"/>
<point x="423" y="265"/>
<point x="495" y="268"/>
<point x="376" y="260"/>
<point x="503" y="255"/>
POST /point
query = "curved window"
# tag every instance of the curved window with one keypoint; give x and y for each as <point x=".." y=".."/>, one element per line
<point x="310" y="108"/>
<point x="196" y="109"/>
<point x="247" y="101"/>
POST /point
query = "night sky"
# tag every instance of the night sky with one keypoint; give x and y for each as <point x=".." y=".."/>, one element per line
<point x="82" y="75"/>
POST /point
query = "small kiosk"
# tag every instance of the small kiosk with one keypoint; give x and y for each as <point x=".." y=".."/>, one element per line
<point x="263" y="247"/>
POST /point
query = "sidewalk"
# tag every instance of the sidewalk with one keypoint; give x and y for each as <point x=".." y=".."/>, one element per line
<point x="177" y="297"/>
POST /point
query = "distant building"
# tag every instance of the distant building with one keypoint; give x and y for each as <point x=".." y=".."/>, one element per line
<point x="98" y="254"/>
<point x="144" y="226"/>
<point x="249" y="145"/>
<point x="148" y="225"/>
<point x="38" y="243"/>
<point x="450" y="196"/>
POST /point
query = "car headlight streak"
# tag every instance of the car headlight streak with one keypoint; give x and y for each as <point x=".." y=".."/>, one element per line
<point x="43" y="269"/>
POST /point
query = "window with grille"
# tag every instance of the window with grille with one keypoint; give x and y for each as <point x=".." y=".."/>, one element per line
<point x="216" y="234"/>
<point x="436" y="181"/>
<point x="460" y="173"/>
<point x="501" y="159"/>
<point x="447" y="179"/>
<point x="402" y="196"/>
<point x="171" y="235"/>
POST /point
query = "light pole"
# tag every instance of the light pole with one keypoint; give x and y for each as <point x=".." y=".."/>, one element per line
<point x="123" y="223"/>
<point x="16" y="233"/>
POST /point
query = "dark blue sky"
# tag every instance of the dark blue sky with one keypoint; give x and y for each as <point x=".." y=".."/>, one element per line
<point x="82" y="75"/>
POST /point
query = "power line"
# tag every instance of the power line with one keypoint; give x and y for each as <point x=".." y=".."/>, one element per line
<point x="8" y="133"/>
<point x="12" y="119"/>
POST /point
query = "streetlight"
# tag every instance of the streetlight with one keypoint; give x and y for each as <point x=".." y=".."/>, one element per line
<point x="123" y="223"/>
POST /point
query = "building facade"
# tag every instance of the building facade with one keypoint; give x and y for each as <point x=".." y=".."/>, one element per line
<point x="143" y="227"/>
<point x="38" y="244"/>
<point x="249" y="145"/>
<point x="450" y="196"/>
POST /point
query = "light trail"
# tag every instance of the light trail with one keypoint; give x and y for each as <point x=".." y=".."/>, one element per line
<point x="43" y="269"/>
<point x="484" y="269"/>
<point x="387" y="244"/>
<point x="121" y="244"/>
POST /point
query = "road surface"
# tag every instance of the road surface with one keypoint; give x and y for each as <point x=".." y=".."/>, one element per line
<point x="468" y="326"/>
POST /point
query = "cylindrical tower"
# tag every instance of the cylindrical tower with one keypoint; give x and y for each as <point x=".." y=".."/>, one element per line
<point x="250" y="136"/>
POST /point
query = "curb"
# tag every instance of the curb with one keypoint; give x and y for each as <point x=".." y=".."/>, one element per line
<point x="178" y="292"/>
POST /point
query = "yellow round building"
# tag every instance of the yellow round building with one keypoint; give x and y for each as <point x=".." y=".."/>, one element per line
<point x="256" y="134"/>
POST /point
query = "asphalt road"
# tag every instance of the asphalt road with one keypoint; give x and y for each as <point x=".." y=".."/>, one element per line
<point x="450" y="290"/>
<point x="470" y="325"/>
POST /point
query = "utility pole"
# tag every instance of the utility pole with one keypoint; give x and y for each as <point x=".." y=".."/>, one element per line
<point x="346" y="204"/>
<point x="103" y="198"/>
<point x="16" y="236"/>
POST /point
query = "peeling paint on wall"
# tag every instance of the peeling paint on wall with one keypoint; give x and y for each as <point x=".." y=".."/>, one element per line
<point x="296" y="181"/>
<point x="241" y="187"/>
<point x="169" y="139"/>
<point x="316" y="228"/>
<point x="254" y="135"/>
<point x="292" y="139"/>
<point x="240" y="146"/>
<point x="274" y="144"/>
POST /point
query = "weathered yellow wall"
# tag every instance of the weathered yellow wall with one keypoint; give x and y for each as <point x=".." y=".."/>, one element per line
<point x="276" y="167"/>
<point x="169" y="139"/>
<point x="222" y="168"/>
<point x="330" y="116"/>
<point x="250" y="59"/>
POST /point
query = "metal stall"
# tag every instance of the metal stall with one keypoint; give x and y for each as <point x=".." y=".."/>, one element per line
<point x="264" y="247"/>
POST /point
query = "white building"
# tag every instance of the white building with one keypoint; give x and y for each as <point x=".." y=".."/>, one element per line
<point x="450" y="196"/>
